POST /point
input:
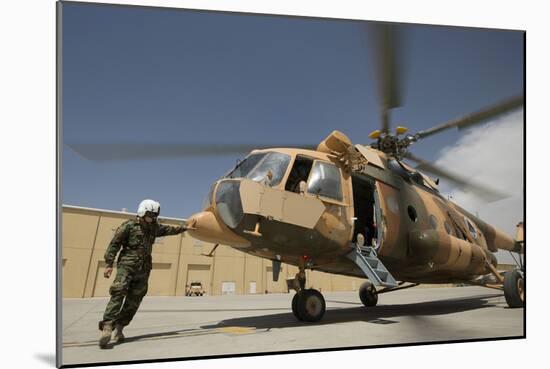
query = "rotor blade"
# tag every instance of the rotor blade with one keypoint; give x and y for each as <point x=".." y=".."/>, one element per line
<point x="123" y="151"/>
<point x="485" y="193"/>
<point x="475" y="118"/>
<point x="386" y="42"/>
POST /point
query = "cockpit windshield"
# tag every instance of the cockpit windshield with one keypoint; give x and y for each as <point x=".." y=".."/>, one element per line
<point x="244" y="167"/>
<point x="258" y="166"/>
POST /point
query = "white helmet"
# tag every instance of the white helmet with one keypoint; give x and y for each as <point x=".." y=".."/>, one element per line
<point x="148" y="205"/>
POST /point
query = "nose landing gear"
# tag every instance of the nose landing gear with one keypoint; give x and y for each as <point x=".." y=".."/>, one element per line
<point x="307" y="304"/>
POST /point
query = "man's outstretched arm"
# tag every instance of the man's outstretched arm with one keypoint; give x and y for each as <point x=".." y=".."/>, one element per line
<point x="166" y="230"/>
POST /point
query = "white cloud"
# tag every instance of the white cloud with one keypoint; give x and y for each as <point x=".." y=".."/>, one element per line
<point x="491" y="155"/>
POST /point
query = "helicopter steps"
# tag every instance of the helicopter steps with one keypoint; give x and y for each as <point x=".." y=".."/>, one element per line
<point x="365" y="258"/>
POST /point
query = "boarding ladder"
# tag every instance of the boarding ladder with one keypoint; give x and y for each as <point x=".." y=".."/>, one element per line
<point x="365" y="258"/>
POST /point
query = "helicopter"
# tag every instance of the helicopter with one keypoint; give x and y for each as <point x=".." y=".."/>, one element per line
<point x="360" y="209"/>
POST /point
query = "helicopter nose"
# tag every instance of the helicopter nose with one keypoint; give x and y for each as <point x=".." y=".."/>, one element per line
<point x="207" y="228"/>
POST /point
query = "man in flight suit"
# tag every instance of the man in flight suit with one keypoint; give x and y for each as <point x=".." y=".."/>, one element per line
<point x="136" y="237"/>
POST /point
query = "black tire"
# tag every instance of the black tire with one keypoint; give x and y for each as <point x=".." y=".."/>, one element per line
<point x="295" y="306"/>
<point x="310" y="305"/>
<point x="514" y="288"/>
<point x="367" y="294"/>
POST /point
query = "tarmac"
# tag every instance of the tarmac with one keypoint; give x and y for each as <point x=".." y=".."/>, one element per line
<point x="184" y="327"/>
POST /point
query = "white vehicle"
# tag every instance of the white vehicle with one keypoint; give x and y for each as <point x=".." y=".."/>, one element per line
<point x="194" y="289"/>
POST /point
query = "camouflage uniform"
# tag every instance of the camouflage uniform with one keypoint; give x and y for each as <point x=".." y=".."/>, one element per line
<point x="134" y="265"/>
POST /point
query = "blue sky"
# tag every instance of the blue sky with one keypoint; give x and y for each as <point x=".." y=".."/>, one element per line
<point x="172" y="76"/>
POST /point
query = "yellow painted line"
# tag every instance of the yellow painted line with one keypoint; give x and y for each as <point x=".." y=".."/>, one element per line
<point x="237" y="330"/>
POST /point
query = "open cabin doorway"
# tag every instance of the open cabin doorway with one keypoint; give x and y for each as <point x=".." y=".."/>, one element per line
<point x="365" y="210"/>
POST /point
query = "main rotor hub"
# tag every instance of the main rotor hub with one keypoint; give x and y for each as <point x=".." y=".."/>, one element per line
<point x="392" y="145"/>
<point x="388" y="144"/>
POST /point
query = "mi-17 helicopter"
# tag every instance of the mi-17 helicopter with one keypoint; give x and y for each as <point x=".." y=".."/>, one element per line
<point x="361" y="210"/>
<point x="352" y="210"/>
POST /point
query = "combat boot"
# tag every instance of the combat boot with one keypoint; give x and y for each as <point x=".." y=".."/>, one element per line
<point x="106" y="334"/>
<point x="119" y="336"/>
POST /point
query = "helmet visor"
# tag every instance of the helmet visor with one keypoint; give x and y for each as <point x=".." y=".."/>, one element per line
<point x="151" y="214"/>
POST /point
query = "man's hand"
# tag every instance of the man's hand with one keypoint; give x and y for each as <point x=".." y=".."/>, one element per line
<point x="191" y="225"/>
<point x="107" y="272"/>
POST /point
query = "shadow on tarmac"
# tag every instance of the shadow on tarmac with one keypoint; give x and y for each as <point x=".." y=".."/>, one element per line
<point x="205" y="310"/>
<point x="376" y="314"/>
<point x="381" y="314"/>
<point x="162" y="335"/>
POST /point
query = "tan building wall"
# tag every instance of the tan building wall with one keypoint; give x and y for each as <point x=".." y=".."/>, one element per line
<point x="177" y="261"/>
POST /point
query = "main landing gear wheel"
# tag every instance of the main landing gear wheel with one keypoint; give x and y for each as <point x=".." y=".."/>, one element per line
<point x="367" y="294"/>
<point x="295" y="305"/>
<point x="514" y="288"/>
<point x="308" y="305"/>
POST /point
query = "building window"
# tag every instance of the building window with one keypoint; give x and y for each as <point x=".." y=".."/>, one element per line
<point x="228" y="288"/>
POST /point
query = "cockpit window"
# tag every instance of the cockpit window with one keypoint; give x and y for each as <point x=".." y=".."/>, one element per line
<point x="276" y="163"/>
<point x="257" y="166"/>
<point x="300" y="172"/>
<point x="325" y="181"/>
<point x="244" y="167"/>
<point x="471" y="228"/>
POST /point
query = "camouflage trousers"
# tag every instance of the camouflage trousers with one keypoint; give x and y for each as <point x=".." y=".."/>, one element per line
<point x="127" y="291"/>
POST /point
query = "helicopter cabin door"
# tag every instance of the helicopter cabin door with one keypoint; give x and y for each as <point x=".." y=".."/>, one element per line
<point x="365" y="213"/>
<point x="387" y="217"/>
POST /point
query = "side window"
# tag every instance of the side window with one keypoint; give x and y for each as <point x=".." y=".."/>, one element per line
<point x="325" y="180"/>
<point x="471" y="228"/>
<point x="300" y="172"/>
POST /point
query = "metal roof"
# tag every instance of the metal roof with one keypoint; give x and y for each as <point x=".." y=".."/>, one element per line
<point x="115" y="212"/>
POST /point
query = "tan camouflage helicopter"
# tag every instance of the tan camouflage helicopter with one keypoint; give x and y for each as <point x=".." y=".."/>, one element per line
<point x="359" y="210"/>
